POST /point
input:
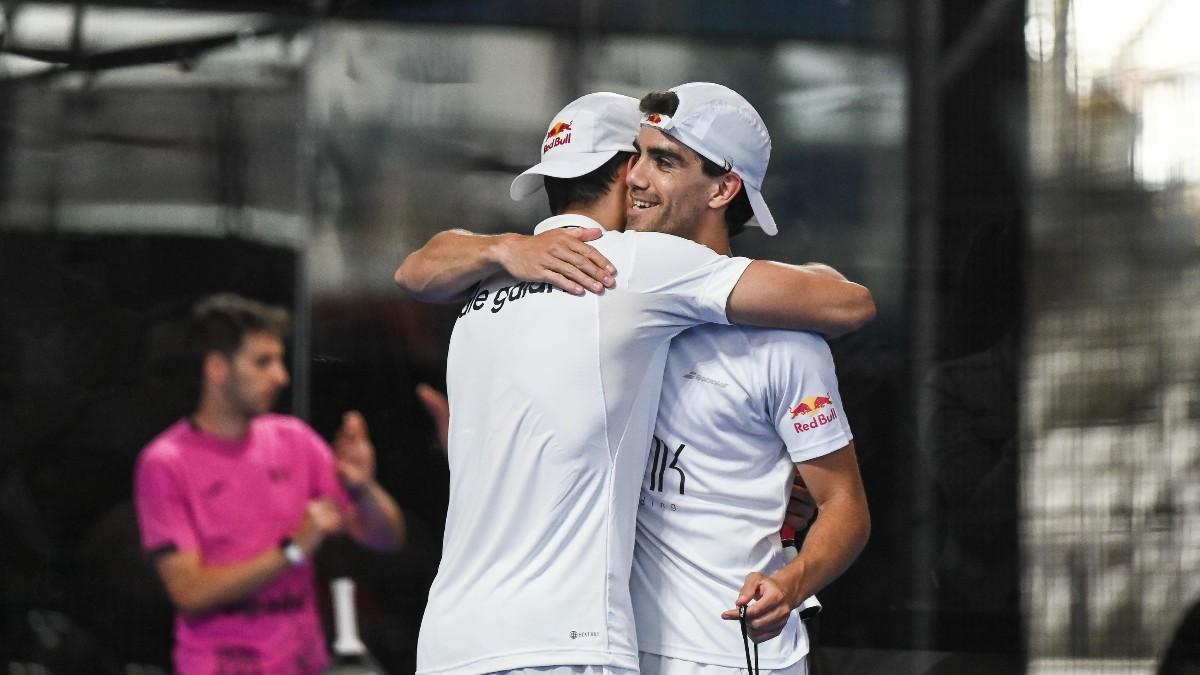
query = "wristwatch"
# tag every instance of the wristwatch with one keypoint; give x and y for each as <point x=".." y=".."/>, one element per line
<point x="292" y="552"/>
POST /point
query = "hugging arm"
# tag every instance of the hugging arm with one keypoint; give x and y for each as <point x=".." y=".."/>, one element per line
<point x="455" y="260"/>
<point x="804" y="297"/>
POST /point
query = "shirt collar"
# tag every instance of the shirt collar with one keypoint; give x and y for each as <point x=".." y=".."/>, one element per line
<point x="566" y="220"/>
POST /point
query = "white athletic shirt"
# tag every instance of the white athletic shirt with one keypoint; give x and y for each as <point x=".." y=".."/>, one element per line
<point x="739" y="407"/>
<point x="552" y="402"/>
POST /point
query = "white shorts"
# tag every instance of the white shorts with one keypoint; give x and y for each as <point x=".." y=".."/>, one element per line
<point x="568" y="670"/>
<point x="655" y="664"/>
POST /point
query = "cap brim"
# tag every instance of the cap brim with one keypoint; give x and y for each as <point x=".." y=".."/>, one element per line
<point x="571" y="166"/>
<point x="761" y="213"/>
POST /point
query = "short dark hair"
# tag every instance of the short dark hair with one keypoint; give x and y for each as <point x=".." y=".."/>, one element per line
<point x="220" y="323"/>
<point x="586" y="189"/>
<point x="739" y="211"/>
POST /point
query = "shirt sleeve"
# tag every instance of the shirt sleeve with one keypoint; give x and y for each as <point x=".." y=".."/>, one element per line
<point x="803" y="396"/>
<point x="164" y="519"/>
<point x="686" y="283"/>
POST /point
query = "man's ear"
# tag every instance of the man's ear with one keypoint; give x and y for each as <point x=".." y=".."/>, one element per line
<point x="216" y="366"/>
<point x="727" y="187"/>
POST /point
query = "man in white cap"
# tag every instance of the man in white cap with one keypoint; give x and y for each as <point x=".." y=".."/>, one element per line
<point x="552" y="401"/>
<point x="743" y="411"/>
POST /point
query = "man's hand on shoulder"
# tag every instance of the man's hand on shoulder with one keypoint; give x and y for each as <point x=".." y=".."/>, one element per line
<point x="561" y="257"/>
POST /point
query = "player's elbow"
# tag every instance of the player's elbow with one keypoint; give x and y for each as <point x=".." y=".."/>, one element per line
<point x="386" y="536"/>
<point x="399" y="276"/>
<point x="857" y="311"/>
<point x="405" y="278"/>
<point x="418" y="276"/>
<point x="383" y="542"/>
<point x="409" y="278"/>
<point x="864" y="531"/>
<point x="861" y="528"/>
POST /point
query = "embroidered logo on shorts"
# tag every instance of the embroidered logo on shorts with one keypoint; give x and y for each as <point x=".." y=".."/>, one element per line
<point x="576" y="634"/>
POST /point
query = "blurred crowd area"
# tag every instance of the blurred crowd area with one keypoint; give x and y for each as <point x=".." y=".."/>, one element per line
<point x="1112" y="388"/>
<point x="1015" y="182"/>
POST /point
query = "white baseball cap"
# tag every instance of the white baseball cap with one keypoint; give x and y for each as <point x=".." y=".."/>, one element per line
<point x="718" y="123"/>
<point x="582" y="136"/>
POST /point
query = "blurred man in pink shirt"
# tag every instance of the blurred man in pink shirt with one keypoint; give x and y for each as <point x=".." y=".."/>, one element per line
<point x="234" y="501"/>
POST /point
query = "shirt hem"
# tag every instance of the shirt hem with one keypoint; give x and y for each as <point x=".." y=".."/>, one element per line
<point x="818" y="450"/>
<point x="722" y="659"/>
<point x="538" y="659"/>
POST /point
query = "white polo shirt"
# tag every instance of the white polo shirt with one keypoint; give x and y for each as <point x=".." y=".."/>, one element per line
<point x="552" y="400"/>
<point x="739" y="407"/>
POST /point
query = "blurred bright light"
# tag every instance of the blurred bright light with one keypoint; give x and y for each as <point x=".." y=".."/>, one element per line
<point x="1039" y="39"/>
<point x="49" y="26"/>
<point x="1146" y="55"/>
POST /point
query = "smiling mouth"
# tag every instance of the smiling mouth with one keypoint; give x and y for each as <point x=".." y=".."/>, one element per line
<point x="642" y="204"/>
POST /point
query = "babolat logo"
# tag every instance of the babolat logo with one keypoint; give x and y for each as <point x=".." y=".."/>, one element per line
<point x="553" y="137"/>
<point x="700" y="378"/>
<point x="503" y="295"/>
<point x="576" y="634"/>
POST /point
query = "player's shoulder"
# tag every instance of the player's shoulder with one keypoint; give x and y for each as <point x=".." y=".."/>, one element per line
<point x="788" y="347"/>
<point x="655" y="260"/>
<point x="659" y="240"/>
<point x="773" y="338"/>
<point x="166" y="449"/>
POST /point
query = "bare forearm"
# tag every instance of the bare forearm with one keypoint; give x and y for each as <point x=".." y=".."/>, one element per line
<point x="833" y="542"/>
<point x="377" y="521"/>
<point x="450" y="264"/>
<point x="799" y="297"/>
<point x="196" y="588"/>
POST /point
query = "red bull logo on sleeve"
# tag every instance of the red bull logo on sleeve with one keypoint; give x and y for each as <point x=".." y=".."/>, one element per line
<point x="818" y="409"/>
<point x="559" y="134"/>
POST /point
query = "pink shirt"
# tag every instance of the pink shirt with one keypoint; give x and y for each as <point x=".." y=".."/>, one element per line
<point x="230" y="501"/>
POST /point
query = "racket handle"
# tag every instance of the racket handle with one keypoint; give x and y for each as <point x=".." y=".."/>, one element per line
<point x="345" y="619"/>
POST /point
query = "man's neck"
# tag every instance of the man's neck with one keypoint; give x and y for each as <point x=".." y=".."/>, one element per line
<point x="715" y="236"/>
<point x="221" y="421"/>
<point x="609" y="210"/>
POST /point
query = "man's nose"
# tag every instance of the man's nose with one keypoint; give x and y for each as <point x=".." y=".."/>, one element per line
<point x="636" y="177"/>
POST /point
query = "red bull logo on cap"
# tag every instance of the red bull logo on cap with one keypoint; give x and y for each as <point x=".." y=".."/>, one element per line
<point x="557" y="129"/>
<point x="811" y="407"/>
<point x="555" y="133"/>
